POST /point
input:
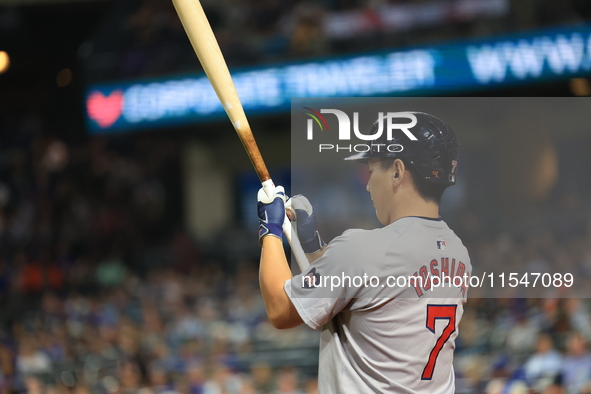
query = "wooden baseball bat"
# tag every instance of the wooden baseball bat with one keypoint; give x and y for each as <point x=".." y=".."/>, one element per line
<point x="208" y="51"/>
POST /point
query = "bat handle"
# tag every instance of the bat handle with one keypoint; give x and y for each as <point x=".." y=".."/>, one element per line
<point x="291" y="236"/>
<point x="296" y="247"/>
<point x="268" y="187"/>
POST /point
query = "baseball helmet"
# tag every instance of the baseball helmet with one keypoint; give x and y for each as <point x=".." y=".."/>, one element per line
<point x="434" y="154"/>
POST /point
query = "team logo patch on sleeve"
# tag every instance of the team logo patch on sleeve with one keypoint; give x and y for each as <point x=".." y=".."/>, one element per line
<point x="441" y="245"/>
<point x="311" y="279"/>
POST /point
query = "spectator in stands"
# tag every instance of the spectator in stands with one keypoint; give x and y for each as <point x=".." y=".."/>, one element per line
<point x="312" y="386"/>
<point x="195" y="377"/>
<point x="554" y="388"/>
<point x="576" y="367"/>
<point x="222" y="380"/>
<point x="30" y="360"/>
<point x="262" y="373"/>
<point x="545" y="363"/>
<point x="33" y="385"/>
<point x="287" y="382"/>
<point x="521" y="337"/>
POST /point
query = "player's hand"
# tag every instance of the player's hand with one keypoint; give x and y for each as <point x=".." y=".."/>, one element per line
<point x="310" y="239"/>
<point x="271" y="211"/>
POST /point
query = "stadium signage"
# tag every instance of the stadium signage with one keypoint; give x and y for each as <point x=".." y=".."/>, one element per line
<point x="537" y="56"/>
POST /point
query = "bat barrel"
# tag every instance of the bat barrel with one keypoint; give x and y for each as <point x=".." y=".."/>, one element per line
<point x="210" y="56"/>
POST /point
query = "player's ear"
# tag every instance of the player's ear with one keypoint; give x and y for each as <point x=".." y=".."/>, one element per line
<point x="398" y="171"/>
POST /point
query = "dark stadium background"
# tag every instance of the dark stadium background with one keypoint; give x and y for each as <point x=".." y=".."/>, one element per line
<point x="128" y="261"/>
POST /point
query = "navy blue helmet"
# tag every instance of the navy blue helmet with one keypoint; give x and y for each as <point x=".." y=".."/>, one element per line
<point x="434" y="154"/>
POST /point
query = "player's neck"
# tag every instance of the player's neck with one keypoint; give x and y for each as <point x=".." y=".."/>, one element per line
<point x="415" y="206"/>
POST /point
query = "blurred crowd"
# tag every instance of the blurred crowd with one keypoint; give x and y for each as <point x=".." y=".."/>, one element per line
<point x="146" y="38"/>
<point x="102" y="291"/>
<point x="517" y="345"/>
<point x="199" y="333"/>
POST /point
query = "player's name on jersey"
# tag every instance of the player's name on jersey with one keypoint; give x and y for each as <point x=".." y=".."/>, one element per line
<point x="440" y="273"/>
<point x="444" y="273"/>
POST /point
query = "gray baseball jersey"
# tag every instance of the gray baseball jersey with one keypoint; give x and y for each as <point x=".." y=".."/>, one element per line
<point x="395" y="330"/>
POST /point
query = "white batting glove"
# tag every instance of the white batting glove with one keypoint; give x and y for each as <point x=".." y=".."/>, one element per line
<point x="271" y="212"/>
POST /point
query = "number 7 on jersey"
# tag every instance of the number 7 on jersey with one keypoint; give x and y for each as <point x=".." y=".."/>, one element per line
<point x="435" y="312"/>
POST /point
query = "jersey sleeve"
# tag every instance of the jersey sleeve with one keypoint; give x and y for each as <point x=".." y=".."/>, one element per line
<point x="328" y="285"/>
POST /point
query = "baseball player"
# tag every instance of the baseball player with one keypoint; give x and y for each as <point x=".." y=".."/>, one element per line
<point x="390" y="335"/>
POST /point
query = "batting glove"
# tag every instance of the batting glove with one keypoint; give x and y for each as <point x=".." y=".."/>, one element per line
<point x="271" y="211"/>
<point x="308" y="235"/>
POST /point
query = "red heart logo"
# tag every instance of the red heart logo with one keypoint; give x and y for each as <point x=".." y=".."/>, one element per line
<point x="105" y="110"/>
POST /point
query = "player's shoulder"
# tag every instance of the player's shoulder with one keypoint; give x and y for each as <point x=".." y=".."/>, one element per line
<point x="401" y="231"/>
<point x="390" y="232"/>
<point x="426" y="226"/>
<point x="356" y="249"/>
<point x="414" y="233"/>
<point x="353" y="240"/>
<point x="361" y="241"/>
<point x="363" y="237"/>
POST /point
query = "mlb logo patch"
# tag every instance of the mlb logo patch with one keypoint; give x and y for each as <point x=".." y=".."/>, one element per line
<point x="441" y="245"/>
